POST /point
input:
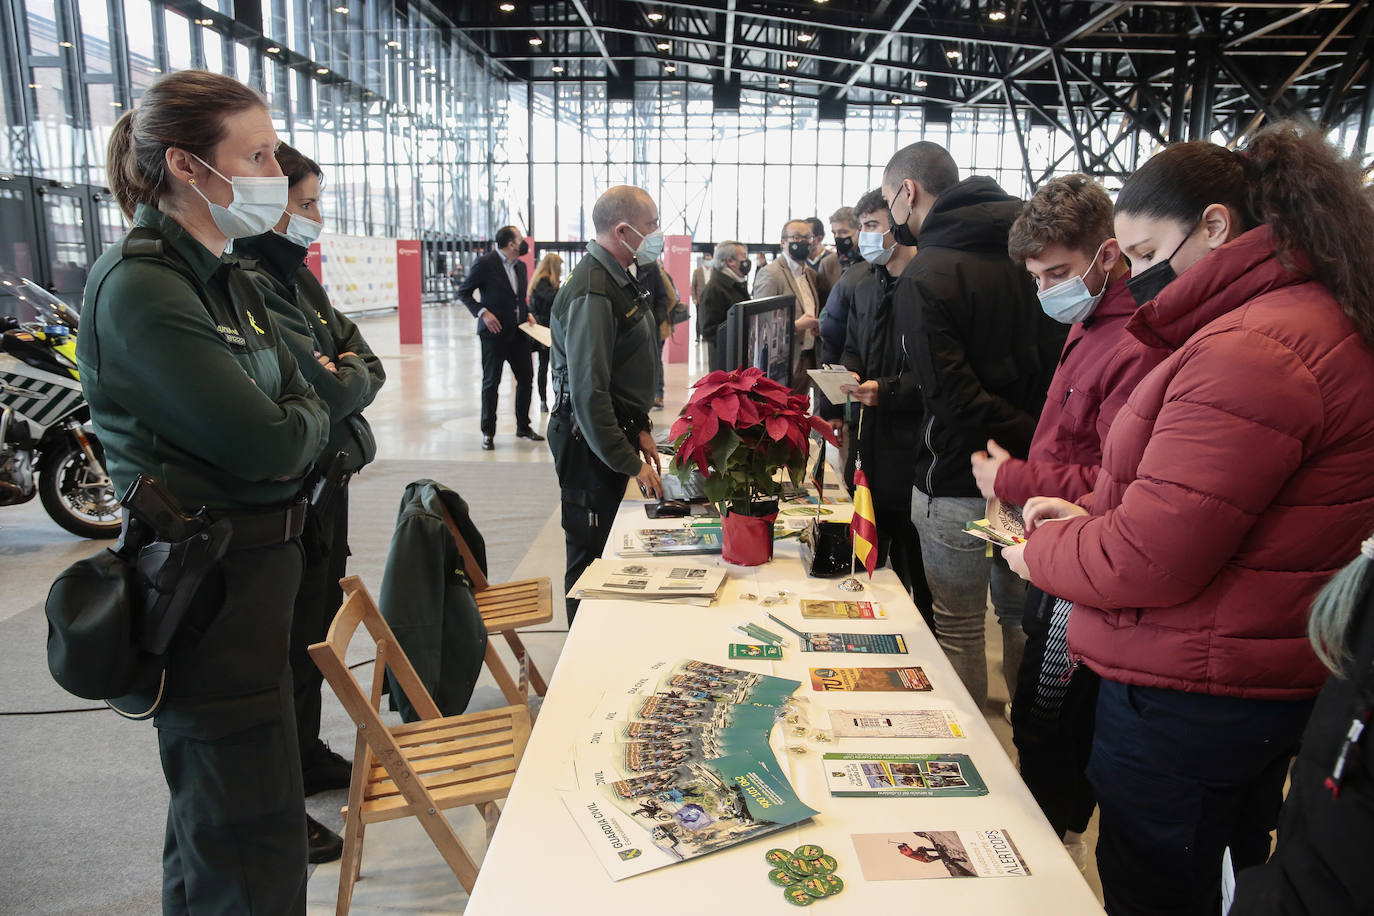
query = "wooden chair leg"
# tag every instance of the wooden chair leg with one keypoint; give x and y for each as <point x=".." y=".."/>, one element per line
<point x="449" y="846"/>
<point x="514" y="695"/>
<point x="526" y="663"/>
<point x="350" y="865"/>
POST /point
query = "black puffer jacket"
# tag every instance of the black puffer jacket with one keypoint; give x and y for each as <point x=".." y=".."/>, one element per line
<point x="978" y="345"/>
<point x="888" y="434"/>
<point x="1320" y="866"/>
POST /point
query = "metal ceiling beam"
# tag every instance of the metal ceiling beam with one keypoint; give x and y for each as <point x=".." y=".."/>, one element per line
<point x="882" y="43"/>
<point x="729" y="37"/>
<point x="596" y="36"/>
<point x="1093" y="23"/>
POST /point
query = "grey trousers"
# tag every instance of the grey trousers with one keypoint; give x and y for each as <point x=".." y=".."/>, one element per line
<point x="960" y="573"/>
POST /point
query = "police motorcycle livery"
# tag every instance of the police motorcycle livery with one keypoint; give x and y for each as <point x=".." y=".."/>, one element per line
<point x="46" y="444"/>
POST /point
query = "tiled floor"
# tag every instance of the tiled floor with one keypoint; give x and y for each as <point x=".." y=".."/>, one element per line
<point x="427" y="412"/>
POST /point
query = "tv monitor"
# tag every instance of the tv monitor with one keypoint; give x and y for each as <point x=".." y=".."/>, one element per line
<point x="759" y="333"/>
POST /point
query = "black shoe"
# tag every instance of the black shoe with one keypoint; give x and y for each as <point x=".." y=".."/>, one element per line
<point x="324" y="770"/>
<point x="487" y="444"/>
<point x="324" y="845"/>
<point x="530" y="435"/>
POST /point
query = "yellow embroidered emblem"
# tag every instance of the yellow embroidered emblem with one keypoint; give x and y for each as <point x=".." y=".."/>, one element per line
<point x="321" y="317"/>
<point x="253" y="322"/>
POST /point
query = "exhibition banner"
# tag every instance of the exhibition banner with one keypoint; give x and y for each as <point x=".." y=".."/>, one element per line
<point x="677" y="258"/>
<point x="409" y="287"/>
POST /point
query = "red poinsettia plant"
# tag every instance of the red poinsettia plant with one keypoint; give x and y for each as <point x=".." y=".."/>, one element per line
<point x="738" y="429"/>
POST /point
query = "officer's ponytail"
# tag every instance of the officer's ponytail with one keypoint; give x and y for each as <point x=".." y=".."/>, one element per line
<point x="185" y="109"/>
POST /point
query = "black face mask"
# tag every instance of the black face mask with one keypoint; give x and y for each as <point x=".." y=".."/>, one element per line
<point x="743" y="268"/>
<point x="901" y="232"/>
<point x="799" y="251"/>
<point x="844" y="244"/>
<point x="1146" y="286"/>
<point x="524" y="248"/>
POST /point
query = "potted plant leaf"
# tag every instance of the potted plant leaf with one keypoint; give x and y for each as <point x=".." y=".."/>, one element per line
<point x="738" y="429"/>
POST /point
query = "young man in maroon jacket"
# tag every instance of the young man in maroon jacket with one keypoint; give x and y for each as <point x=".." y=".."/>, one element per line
<point x="1064" y="239"/>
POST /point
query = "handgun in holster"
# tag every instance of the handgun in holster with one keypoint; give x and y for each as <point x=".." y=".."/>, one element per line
<point x="330" y="482"/>
<point x="171" y="552"/>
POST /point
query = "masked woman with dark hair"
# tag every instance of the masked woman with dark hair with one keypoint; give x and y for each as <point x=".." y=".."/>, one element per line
<point x="190" y="382"/>
<point x="1234" y="483"/>
<point x="341" y="367"/>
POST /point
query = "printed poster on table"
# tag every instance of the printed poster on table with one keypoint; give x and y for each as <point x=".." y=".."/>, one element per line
<point x="921" y="854"/>
<point x="869" y="679"/>
<point x="667" y="816"/>
<point x="902" y="775"/>
<point x="934" y="722"/>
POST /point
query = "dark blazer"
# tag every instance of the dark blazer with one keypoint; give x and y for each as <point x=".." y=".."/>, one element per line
<point x="488" y="274"/>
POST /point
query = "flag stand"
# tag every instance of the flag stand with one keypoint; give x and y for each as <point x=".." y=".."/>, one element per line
<point x="852" y="583"/>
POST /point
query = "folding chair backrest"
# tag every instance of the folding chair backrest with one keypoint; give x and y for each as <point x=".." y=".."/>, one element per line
<point x="470" y="564"/>
<point x="331" y="656"/>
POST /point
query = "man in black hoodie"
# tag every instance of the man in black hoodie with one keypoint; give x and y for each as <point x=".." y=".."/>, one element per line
<point x="982" y="353"/>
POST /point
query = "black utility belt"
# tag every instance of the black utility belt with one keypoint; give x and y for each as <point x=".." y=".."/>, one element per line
<point x="262" y="528"/>
<point x="562" y="408"/>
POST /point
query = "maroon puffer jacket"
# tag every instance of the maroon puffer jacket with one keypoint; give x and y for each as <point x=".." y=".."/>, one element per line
<point x="1098" y="370"/>
<point x="1236" y="480"/>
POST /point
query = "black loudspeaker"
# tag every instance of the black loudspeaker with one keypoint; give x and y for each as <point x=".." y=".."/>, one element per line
<point x="621" y="88"/>
<point x="725" y="93"/>
<point x="830" y="107"/>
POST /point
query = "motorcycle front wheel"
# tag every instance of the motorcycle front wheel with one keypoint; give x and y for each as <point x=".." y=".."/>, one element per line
<point x="72" y="493"/>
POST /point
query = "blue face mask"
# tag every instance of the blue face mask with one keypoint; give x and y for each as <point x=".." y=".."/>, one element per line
<point x="650" y="247"/>
<point x="1070" y="302"/>
<point x="871" y="247"/>
<point x="302" y="230"/>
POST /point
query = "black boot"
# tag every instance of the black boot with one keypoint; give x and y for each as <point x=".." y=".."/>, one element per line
<point x="324" y="844"/>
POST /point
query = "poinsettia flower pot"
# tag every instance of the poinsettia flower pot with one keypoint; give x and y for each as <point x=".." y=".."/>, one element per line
<point x="747" y="530"/>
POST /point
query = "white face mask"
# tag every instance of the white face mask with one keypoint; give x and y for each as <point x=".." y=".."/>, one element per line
<point x="257" y="205"/>
<point x="650" y="247"/>
<point x="302" y="230"/>
<point x="871" y="247"/>
<point x="1070" y="302"/>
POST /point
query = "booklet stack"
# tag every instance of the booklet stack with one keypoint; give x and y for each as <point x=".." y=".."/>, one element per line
<point x="649" y="580"/>
<point x="664" y="542"/>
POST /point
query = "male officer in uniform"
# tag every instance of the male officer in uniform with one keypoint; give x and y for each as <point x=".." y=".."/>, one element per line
<point x="604" y="343"/>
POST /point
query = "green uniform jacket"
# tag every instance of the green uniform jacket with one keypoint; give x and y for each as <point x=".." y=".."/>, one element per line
<point x="604" y="360"/>
<point x="427" y="598"/>
<point x="187" y="376"/>
<point x="309" y="323"/>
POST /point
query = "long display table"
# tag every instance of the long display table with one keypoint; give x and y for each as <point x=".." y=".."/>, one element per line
<point x="539" y="862"/>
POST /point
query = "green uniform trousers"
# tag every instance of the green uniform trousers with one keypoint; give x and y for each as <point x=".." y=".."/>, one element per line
<point x="236" y="819"/>
<point x="590" y="493"/>
<point x="325" y="541"/>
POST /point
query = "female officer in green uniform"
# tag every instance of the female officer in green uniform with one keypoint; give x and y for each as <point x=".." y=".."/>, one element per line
<point x="336" y="360"/>
<point x="189" y="381"/>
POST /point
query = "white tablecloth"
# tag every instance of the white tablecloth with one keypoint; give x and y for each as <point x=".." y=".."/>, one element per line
<point x="539" y="863"/>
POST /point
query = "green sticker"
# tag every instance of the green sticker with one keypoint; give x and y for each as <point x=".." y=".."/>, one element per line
<point x="833" y="884"/>
<point x="777" y="857"/>
<point x="797" y="896"/>
<point x="809" y="851"/>
<point x="825" y="865"/>
<point x="801" y="867"/>
<point x="815" y="886"/>
<point x="782" y="877"/>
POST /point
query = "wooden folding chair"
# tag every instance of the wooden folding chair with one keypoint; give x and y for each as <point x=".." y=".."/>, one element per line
<point x="505" y="608"/>
<point x="419" y="769"/>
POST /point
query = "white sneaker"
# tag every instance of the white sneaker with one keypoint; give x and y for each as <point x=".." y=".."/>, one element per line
<point x="1077" y="849"/>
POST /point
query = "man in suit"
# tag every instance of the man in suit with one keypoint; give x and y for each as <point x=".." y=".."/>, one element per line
<point x="788" y="274"/>
<point x="823" y="261"/>
<point x="499" y="279"/>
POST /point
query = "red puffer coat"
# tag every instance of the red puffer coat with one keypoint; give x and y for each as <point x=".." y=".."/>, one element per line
<point x="1236" y="480"/>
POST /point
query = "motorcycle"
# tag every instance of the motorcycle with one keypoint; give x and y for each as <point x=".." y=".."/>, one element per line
<point x="47" y="446"/>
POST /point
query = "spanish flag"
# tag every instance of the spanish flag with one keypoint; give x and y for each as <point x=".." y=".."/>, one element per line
<point x="863" y="527"/>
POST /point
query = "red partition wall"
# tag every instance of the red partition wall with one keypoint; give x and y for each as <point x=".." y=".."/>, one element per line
<point x="314" y="261"/>
<point x="409" y="273"/>
<point x="677" y="257"/>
